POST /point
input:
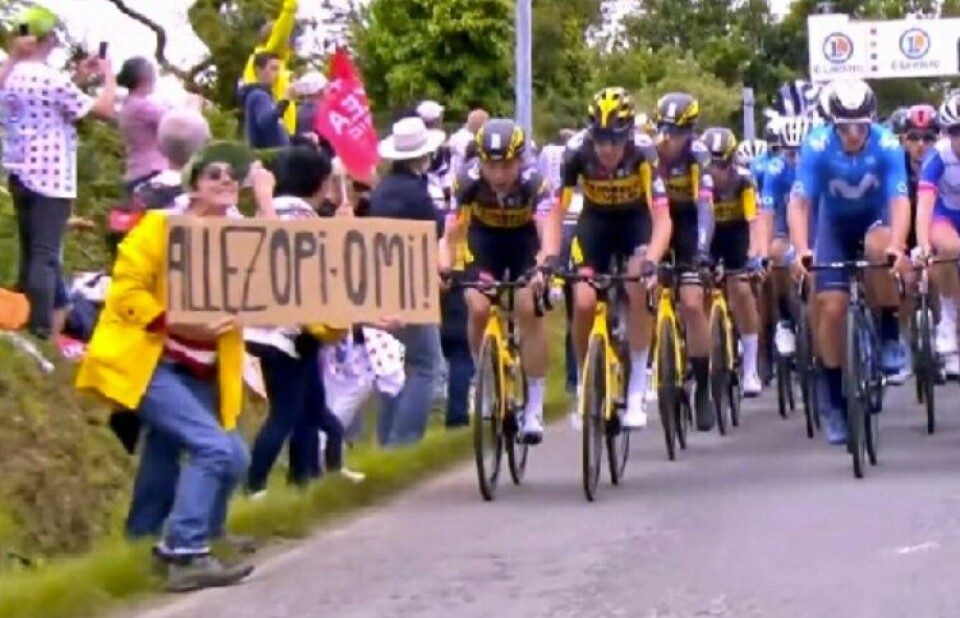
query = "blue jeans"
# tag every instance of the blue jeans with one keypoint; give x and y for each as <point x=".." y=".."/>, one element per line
<point x="403" y="418"/>
<point x="182" y="412"/>
<point x="457" y="353"/>
<point x="298" y="412"/>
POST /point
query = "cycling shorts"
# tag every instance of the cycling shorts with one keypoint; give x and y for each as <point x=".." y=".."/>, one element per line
<point x="944" y="215"/>
<point x="683" y="243"/>
<point x="840" y="241"/>
<point x="602" y="237"/>
<point x="497" y="253"/>
<point x="731" y="244"/>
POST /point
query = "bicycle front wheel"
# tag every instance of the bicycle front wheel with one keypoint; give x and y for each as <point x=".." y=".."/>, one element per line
<point x="927" y="364"/>
<point x="668" y="391"/>
<point x="719" y="367"/>
<point x="517" y="449"/>
<point x="805" y="370"/>
<point x="593" y="409"/>
<point x="855" y="392"/>
<point x="617" y="437"/>
<point x="487" y="413"/>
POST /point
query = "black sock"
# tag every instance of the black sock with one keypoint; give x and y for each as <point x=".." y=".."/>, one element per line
<point x="889" y="325"/>
<point x="701" y="371"/>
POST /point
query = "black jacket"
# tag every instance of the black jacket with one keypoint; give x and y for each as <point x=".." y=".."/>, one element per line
<point x="403" y="194"/>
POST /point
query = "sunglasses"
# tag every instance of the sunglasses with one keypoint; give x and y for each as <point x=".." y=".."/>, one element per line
<point x="672" y="130"/>
<point x="917" y="136"/>
<point x="853" y="129"/>
<point x="721" y="163"/>
<point x="775" y="148"/>
<point x="954" y="131"/>
<point x="217" y="172"/>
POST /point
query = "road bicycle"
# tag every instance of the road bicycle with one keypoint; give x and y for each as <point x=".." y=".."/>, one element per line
<point x="725" y="387"/>
<point x="605" y="375"/>
<point x="926" y="364"/>
<point x="863" y="379"/>
<point x="805" y="359"/>
<point x="500" y="387"/>
<point x="669" y="362"/>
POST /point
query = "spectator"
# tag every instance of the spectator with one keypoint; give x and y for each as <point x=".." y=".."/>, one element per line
<point x="262" y="116"/>
<point x="456" y="349"/>
<point x="289" y="358"/>
<point x="463" y="138"/>
<point x="403" y="194"/>
<point x="186" y="383"/>
<point x="309" y="90"/>
<point x="139" y="119"/>
<point x="276" y="37"/>
<point x="439" y="177"/>
<point x="40" y="108"/>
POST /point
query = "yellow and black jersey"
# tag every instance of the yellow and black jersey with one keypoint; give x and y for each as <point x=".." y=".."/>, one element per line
<point x="475" y="201"/>
<point x="632" y="185"/>
<point x="687" y="180"/>
<point x="736" y="202"/>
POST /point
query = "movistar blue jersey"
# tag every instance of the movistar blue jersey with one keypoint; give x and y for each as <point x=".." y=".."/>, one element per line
<point x="759" y="166"/>
<point x="851" y="188"/>
<point x="778" y="181"/>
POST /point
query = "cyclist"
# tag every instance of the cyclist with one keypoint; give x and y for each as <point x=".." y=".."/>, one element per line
<point x="752" y="154"/>
<point x="857" y="167"/>
<point x="624" y="214"/>
<point x="938" y="219"/>
<point x="897" y="121"/>
<point x="496" y="202"/>
<point x="781" y="173"/>
<point x="737" y="242"/>
<point x="684" y="163"/>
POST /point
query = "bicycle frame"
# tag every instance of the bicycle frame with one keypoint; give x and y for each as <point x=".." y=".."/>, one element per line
<point x="718" y="301"/>
<point x="666" y="314"/>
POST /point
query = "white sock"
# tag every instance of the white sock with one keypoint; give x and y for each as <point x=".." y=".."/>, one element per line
<point x="536" y="387"/>
<point x="638" y="373"/>
<point x="750" y="348"/>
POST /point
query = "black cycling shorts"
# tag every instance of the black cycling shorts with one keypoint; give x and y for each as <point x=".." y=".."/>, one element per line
<point x="683" y="243"/>
<point x="495" y="253"/>
<point x="731" y="244"/>
<point x="601" y="237"/>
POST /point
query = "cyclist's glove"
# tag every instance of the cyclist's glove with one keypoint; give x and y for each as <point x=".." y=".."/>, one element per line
<point x="756" y="265"/>
<point x="648" y="269"/>
<point x="551" y="265"/>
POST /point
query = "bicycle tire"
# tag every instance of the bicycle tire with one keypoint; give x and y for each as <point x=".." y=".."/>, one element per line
<point x="617" y="437"/>
<point x="805" y="370"/>
<point x="594" y="403"/>
<point x="484" y="420"/>
<point x="873" y="385"/>
<point x="719" y="368"/>
<point x="855" y="395"/>
<point x="735" y="387"/>
<point x="517" y="450"/>
<point x="916" y="352"/>
<point x="784" y="375"/>
<point x="926" y="378"/>
<point x="667" y="392"/>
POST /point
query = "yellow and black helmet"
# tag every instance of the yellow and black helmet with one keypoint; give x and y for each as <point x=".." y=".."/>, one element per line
<point x="500" y="139"/>
<point x="721" y="142"/>
<point x="611" y="112"/>
<point x="677" y="109"/>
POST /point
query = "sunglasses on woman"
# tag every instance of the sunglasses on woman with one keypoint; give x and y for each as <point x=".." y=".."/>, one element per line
<point x="218" y="171"/>
<point x="918" y="136"/>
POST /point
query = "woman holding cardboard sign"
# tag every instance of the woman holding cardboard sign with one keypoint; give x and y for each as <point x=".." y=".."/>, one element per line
<point x="183" y="380"/>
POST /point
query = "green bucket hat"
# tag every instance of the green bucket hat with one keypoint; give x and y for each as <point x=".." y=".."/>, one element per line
<point x="235" y="154"/>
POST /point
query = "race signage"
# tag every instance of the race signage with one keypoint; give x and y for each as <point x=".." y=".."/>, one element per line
<point x="338" y="271"/>
<point x="842" y="48"/>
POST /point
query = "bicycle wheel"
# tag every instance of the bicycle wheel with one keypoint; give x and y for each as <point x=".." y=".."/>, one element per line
<point x="872" y="372"/>
<point x="734" y="389"/>
<point x="719" y="367"/>
<point x="926" y="363"/>
<point x="805" y="370"/>
<point x="854" y="389"/>
<point x="517" y="450"/>
<point x="618" y="438"/>
<point x="488" y="438"/>
<point x="668" y="395"/>
<point x="594" y="404"/>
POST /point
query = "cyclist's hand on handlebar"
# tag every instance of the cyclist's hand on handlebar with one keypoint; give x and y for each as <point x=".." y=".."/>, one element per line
<point x="648" y="270"/>
<point x="756" y="265"/>
<point x="703" y="260"/>
<point x="921" y="255"/>
<point x="801" y="265"/>
<point x="897" y="260"/>
<point x="537" y="280"/>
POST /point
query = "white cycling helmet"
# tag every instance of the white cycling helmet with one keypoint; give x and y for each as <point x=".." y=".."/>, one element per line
<point x="750" y="149"/>
<point x="793" y="131"/>
<point x="949" y="113"/>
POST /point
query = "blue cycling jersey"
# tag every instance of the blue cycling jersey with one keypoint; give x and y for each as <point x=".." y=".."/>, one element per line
<point x="759" y="166"/>
<point x="851" y="188"/>
<point x="941" y="173"/>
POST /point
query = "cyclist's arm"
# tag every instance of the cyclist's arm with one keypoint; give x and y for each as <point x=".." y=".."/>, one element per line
<point x="771" y="195"/>
<point x="659" y="206"/>
<point x="553" y="223"/>
<point x="930" y="175"/>
<point x="805" y="191"/>
<point x="454" y="228"/>
<point x="897" y="194"/>
<point x="544" y="200"/>
<point x="748" y="199"/>
<point x="703" y="187"/>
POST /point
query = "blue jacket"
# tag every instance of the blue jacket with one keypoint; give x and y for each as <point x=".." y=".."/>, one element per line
<point x="262" y="118"/>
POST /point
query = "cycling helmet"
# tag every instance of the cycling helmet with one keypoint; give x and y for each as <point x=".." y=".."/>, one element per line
<point x="720" y="141"/>
<point x="898" y="120"/>
<point x="822" y="108"/>
<point x="851" y="102"/>
<point x="750" y="149"/>
<point x="612" y="112"/>
<point x="677" y="109"/>
<point x="771" y="134"/>
<point x="500" y="139"/>
<point x="949" y="113"/>
<point x="793" y="131"/>
<point x="921" y="117"/>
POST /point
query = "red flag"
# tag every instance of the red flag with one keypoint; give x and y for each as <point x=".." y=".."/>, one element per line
<point x="344" y="119"/>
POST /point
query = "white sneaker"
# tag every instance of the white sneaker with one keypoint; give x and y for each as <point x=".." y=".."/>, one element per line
<point x="635" y="416"/>
<point x="576" y="421"/>
<point x="532" y="426"/>
<point x="752" y="385"/>
<point x="951" y="366"/>
<point x="352" y="475"/>
<point x="946" y="339"/>
<point x="784" y="340"/>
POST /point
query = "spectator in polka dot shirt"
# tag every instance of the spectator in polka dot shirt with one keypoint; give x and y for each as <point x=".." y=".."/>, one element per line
<point x="40" y="106"/>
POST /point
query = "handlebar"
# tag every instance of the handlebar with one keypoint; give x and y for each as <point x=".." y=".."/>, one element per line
<point x="494" y="289"/>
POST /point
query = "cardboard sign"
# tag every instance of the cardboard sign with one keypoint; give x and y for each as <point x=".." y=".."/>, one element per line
<point x="336" y="271"/>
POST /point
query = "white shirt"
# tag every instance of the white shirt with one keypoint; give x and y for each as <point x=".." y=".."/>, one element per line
<point x="39" y="108"/>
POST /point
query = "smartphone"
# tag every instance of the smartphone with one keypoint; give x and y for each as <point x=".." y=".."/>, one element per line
<point x="24" y="30"/>
<point x="103" y="50"/>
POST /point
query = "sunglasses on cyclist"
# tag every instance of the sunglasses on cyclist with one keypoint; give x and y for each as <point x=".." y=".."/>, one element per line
<point x="605" y="137"/>
<point x="919" y="136"/>
<point x="954" y="131"/>
<point x="853" y="129"/>
<point x="721" y="162"/>
<point x="672" y="130"/>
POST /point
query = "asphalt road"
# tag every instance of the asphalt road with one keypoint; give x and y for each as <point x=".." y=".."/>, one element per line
<point x="761" y="523"/>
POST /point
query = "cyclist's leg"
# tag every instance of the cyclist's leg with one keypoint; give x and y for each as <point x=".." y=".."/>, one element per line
<point x="693" y="312"/>
<point x="833" y="245"/>
<point x="640" y="322"/>
<point x="785" y="293"/>
<point x="522" y="249"/>
<point x="946" y="243"/>
<point x="478" y="305"/>
<point x="883" y="295"/>
<point x="732" y="248"/>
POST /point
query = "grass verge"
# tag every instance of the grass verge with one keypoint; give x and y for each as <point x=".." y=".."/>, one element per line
<point x="115" y="571"/>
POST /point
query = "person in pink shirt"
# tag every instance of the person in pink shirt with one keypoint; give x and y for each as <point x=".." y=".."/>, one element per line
<point x="139" y="118"/>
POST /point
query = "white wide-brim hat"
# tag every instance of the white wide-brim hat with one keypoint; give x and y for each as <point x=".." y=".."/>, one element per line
<point x="410" y="139"/>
